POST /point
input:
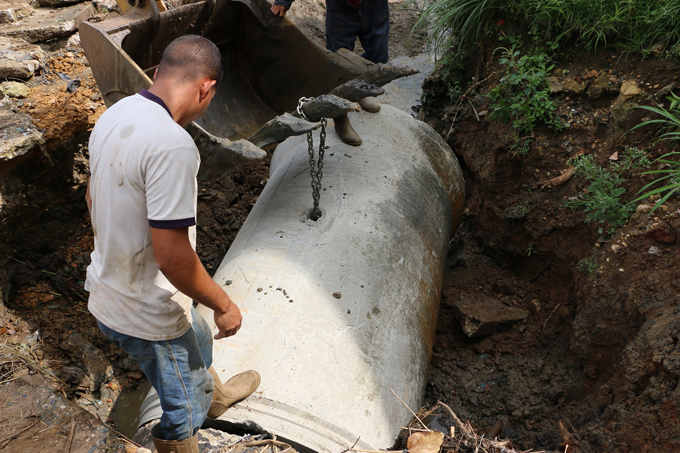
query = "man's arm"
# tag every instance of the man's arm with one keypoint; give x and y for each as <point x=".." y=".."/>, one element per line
<point x="180" y="264"/>
<point x="88" y="198"/>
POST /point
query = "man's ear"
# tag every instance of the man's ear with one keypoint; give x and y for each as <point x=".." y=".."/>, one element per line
<point x="155" y="74"/>
<point x="206" y="85"/>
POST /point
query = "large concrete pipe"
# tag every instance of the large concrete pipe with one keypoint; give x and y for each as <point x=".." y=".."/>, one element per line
<point x="341" y="311"/>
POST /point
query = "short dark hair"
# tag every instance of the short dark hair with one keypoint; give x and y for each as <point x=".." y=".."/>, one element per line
<point x="191" y="57"/>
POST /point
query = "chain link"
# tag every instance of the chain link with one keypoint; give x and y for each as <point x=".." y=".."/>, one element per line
<point x="315" y="168"/>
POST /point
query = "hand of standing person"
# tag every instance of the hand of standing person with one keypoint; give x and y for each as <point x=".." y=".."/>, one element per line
<point x="181" y="266"/>
<point x="278" y="10"/>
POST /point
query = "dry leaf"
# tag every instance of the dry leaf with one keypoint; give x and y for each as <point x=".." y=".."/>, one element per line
<point x="614" y="156"/>
<point x="428" y="442"/>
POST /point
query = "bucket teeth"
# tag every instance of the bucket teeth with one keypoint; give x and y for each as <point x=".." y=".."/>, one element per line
<point x="219" y="155"/>
<point x="280" y="128"/>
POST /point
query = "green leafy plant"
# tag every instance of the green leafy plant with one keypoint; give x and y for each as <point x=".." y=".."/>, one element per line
<point x="522" y="97"/>
<point x="530" y="250"/>
<point x="602" y="202"/>
<point x="516" y="212"/>
<point x="587" y="265"/>
<point x="668" y="181"/>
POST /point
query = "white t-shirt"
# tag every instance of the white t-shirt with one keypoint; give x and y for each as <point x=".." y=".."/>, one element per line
<point x="143" y="173"/>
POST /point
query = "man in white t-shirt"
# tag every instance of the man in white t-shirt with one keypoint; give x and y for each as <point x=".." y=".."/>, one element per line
<point x="145" y="271"/>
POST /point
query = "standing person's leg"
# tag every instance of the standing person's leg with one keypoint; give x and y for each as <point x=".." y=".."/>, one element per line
<point x="343" y="23"/>
<point x="375" y="30"/>
<point x="178" y="373"/>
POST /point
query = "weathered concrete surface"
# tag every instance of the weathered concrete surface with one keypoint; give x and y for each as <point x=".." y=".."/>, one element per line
<point x="12" y="11"/>
<point x="48" y="23"/>
<point x="485" y="315"/>
<point x="18" y="135"/>
<point x="39" y="419"/>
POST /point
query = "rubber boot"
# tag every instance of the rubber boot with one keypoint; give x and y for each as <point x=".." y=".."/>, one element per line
<point x="369" y="104"/>
<point x="345" y="130"/>
<point x="189" y="445"/>
<point x="234" y="390"/>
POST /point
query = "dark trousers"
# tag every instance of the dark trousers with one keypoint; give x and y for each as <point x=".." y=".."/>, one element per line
<point x="371" y="23"/>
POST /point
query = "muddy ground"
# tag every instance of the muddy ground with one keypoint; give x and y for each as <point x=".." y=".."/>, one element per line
<point x="598" y="352"/>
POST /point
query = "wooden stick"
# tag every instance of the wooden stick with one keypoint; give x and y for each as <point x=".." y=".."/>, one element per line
<point x="414" y="414"/>
<point x="455" y="418"/>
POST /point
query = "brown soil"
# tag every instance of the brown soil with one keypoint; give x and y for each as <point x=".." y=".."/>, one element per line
<point x="597" y="352"/>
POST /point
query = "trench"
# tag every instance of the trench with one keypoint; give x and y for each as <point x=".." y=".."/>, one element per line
<point x="529" y="377"/>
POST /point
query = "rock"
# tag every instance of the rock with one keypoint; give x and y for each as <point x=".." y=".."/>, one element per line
<point x="47" y="23"/>
<point x="32" y="380"/>
<point x="12" y="11"/>
<point x="18" y="58"/>
<point x="58" y="3"/>
<point x="555" y="85"/>
<point x="96" y="364"/>
<point x="136" y="375"/>
<point x="666" y="90"/>
<point x="572" y="87"/>
<point x="653" y="250"/>
<point x="661" y="232"/>
<point x="602" y="85"/>
<point x="485" y="315"/>
<point x="105" y="6"/>
<point x="18" y="69"/>
<point x="15" y="90"/>
<point x="629" y="88"/>
<point x="18" y="135"/>
<point x="74" y="41"/>
<point x="357" y="89"/>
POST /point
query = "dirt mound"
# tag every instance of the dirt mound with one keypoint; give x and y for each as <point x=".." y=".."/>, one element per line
<point x="598" y="349"/>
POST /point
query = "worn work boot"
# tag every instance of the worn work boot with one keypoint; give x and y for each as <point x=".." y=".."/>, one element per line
<point x="345" y="130"/>
<point x="234" y="390"/>
<point x="369" y="104"/>
<point x="189" y="445"/>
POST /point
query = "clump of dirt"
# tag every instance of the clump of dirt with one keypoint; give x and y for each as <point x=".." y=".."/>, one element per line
<point x="597" y="352"/>
<point x="66" y="100"/>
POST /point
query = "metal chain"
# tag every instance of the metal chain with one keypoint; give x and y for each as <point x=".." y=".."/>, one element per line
<point x="315" y="168"/>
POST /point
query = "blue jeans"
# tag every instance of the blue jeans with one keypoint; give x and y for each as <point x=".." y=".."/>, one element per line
<point x="371" y="24"/>
<point x="178" y="370"/>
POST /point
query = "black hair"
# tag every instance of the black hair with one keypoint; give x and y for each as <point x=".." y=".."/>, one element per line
<point x="191" y="57"/>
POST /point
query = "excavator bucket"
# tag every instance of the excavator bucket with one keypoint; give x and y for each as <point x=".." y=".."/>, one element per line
<point x="268" y="66"/>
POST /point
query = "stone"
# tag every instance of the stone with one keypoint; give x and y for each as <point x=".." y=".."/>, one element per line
<point x="555" y="85"/>
<point x="602" y="85"/>
<point x="485" y="315"/>
<point x="12" y="11"/>
<point x="573" y="87"/>
<point x="96" y="364"/>
<point x="16" y="90"/>
<point x="357" y="89"/>
<point x="54" y="3"/>
<point x="18" y="58"/>
<point x="47" y="23"/>
<point x="105" y="6"/>
<point x="18" y="135"/>
<point x="666" y="90"/>
<point x="629" y="88"/>
<point x="661" y="232"/>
